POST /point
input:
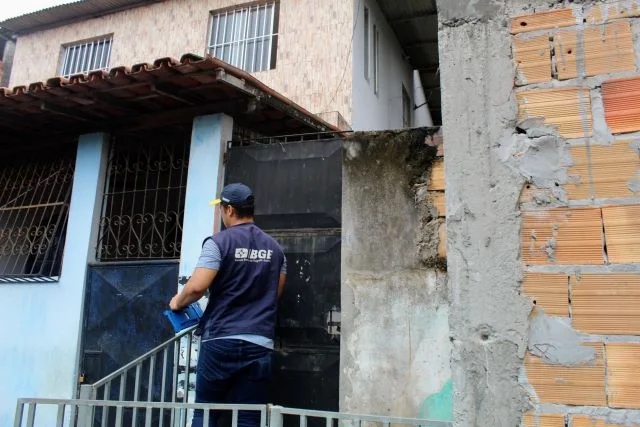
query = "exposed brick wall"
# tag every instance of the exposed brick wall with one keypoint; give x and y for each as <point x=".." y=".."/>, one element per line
<point x="577" y="72"/>
<point x="436" y="189"/>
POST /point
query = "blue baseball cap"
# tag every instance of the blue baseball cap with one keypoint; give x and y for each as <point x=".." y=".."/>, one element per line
<point x="235" y="194"/>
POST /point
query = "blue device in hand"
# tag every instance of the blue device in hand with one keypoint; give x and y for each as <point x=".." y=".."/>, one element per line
<point x="185" y="318"/>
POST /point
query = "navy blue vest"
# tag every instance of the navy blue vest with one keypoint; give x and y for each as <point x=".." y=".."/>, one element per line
<point x="243" y="298"/>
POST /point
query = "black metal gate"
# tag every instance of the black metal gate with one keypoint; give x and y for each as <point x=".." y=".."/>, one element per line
<point x="123" y="317"/>
<point x="298" y="189"/>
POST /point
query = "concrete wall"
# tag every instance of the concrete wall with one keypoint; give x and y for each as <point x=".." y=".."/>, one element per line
<point x="371" y="111"/>
<point x="41" y="322"/>
<point x="313" y="49"/>
<point x="395" y="345"/>
<point x="542" y="211"/>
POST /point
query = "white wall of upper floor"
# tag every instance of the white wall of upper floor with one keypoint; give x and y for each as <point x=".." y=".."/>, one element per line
<point x="381" y="110"/>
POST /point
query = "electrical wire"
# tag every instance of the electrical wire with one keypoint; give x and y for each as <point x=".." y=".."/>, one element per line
<point x="344" y="70"/>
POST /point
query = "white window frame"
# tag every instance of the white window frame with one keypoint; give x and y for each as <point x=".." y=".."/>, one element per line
<point x="86" y="56"/>
<point x="246" y="31"/>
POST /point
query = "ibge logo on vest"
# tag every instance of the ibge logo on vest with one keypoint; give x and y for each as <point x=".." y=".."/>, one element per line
<point x="253" y="255"/>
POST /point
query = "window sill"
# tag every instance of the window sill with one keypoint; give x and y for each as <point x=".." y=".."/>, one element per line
<point x="29" y="279"/>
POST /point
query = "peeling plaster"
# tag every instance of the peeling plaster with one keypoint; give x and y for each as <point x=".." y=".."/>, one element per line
<point x="395" y="308"/>
<point x="541" y="157"/>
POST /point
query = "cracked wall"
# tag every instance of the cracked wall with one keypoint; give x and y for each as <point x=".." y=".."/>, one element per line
<point x="395" y="330"/>
<point x="543" y="210"/>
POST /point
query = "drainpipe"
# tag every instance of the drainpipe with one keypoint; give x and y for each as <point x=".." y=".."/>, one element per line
<point x="421" y="115"/>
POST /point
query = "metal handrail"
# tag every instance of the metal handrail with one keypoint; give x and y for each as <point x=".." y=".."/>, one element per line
<point x="179" y="411"/>
<point x="270" y="415"/>
<point x="143" y="358"/>
<point x="101" y="390"/>
<point x="276" y="413"/>
<point x="90" y="400"/>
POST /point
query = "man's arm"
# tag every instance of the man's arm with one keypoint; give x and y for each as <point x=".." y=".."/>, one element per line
<point x="206" y="270"/>
<point x="195" y="288"/>
<point x="283" y="276"/>
<point x="281" y="282"/>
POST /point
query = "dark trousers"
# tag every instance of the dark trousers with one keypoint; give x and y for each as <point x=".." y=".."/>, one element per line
<point x="232" y="371"/>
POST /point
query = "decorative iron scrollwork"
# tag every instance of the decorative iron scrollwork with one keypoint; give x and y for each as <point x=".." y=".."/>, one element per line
<point x="143" y="203"/>
<point x="35" y="191"/>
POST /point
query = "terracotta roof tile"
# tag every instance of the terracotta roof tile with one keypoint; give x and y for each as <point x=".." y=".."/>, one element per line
<point x="177" y="89"/>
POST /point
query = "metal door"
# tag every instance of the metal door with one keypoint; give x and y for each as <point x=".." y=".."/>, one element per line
<point x="124" y="319"/>
<point x="298" y="189"/>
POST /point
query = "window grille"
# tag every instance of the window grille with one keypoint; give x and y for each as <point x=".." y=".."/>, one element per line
<point x="35" y="191"/>
<point x="86" y="57"/>
<point x="246" y="37"/>
<point x="143" y="202"/>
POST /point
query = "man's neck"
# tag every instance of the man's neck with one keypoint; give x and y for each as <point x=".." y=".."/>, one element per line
<point x="241" y="221"/>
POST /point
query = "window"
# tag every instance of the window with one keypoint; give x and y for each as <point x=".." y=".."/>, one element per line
<point x="86" y="57"/>
<point x="406" y="108"/>
<point x="376" y="60"/>
<point x="366" y="43"/>
<point x="143" y="202"/>
<point x="246" y="37"/>
<point x="35" y="191"/>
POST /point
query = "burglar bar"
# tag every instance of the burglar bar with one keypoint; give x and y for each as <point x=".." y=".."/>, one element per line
<point x="35" y="192"/>
<point x="250" y="27"/>
<point x="86" y="57"/>
<point x="143" y="201"/>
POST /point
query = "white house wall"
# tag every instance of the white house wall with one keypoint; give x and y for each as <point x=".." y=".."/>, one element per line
<point x="371" y="111"/>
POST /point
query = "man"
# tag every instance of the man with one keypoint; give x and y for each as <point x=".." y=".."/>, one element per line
<point x="246" y="271"/>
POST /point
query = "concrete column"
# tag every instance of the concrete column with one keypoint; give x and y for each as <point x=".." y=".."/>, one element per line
<point x="488" y="318"/>
<point x="209" y="138"/>
<point x="205" y="179"/>
<point x="83" y="225"/>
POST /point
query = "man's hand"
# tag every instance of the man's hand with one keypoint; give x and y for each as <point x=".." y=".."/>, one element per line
<point x="195" y="288"/>
<point x="173" y="304"/>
